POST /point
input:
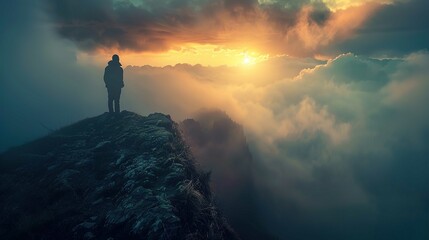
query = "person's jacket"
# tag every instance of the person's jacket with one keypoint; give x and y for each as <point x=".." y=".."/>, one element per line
<point x="114" y="75"/>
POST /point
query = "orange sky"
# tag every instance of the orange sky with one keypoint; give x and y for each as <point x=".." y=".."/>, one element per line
<point x="244" y="43"/>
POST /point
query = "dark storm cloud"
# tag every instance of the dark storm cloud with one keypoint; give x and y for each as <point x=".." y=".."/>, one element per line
<point x="161" y="25"/>
<point x="122" y="24"/>
<point x="401" y="27"/>
<point x="396" y="29"/>
<point x="93" y="24"/>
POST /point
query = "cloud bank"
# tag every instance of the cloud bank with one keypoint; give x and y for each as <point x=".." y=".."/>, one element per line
<point x="395" y="30"/>
<point x="300" y="28"/>
<point x="340" y="148"/>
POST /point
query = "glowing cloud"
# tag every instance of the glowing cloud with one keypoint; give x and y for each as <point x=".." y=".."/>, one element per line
<point x="343" y="4"/>
<point x="207" y="55"/>
<point x="179" y="29"/>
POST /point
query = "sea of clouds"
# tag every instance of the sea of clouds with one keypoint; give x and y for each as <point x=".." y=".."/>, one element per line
<point x="340" y="146"/>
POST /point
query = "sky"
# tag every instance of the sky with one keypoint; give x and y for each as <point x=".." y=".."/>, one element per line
<point x="332" y="94"/>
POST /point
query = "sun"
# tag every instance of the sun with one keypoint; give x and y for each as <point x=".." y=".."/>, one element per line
<point x="246" y="60"/>
<point x="252" y="58"/>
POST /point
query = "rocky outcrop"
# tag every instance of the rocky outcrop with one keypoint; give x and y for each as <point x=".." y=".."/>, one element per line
<point x="220" y="146"/>
<point x="109" y="177"/>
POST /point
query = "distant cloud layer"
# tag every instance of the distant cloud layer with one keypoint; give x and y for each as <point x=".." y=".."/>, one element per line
<point x="341" y="144"/>
<point x="292" y="27"/>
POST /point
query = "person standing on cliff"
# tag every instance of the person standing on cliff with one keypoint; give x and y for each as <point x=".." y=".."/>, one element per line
<point x="114" y="80"/>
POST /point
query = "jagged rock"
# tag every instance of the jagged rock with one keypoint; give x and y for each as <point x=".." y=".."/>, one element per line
<point x="220" y="146"/>
<point x="108" y="177"/>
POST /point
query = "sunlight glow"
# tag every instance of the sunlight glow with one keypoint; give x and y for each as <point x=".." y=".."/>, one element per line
<point x="335" y="5"/>
<point x="249" y="60"/>
<point x="204" y="54"/>
<point x="246" y="60"/>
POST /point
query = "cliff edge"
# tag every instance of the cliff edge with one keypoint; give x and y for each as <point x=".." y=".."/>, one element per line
<point x="109" y="177"/>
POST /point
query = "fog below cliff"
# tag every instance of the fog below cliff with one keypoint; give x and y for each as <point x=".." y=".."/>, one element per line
<point x="339" y="146"/>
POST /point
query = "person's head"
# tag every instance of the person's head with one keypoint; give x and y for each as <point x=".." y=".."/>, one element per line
<point x="115" y="58"/>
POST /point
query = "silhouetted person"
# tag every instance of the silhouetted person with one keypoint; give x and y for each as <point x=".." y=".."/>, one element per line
<point x="114" y="79"/>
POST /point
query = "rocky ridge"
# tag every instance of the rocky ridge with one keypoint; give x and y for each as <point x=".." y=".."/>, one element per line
<point x="109" y="177"/>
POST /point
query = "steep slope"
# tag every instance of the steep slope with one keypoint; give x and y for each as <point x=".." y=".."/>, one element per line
<point x="108" y="177"/>
<point x="220" y="146"/>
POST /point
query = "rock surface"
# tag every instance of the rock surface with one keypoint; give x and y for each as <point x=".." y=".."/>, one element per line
<point x="109" y="177"/>
<point x="220" y="146"/>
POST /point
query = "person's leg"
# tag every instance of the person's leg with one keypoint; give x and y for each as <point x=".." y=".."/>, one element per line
<point x="110" y="97"/>
<point x="117" y="100"/>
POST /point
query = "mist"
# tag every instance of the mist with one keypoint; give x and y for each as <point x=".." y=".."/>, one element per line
<point x="339" y="146"/>
<point x="342" y="143"/>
